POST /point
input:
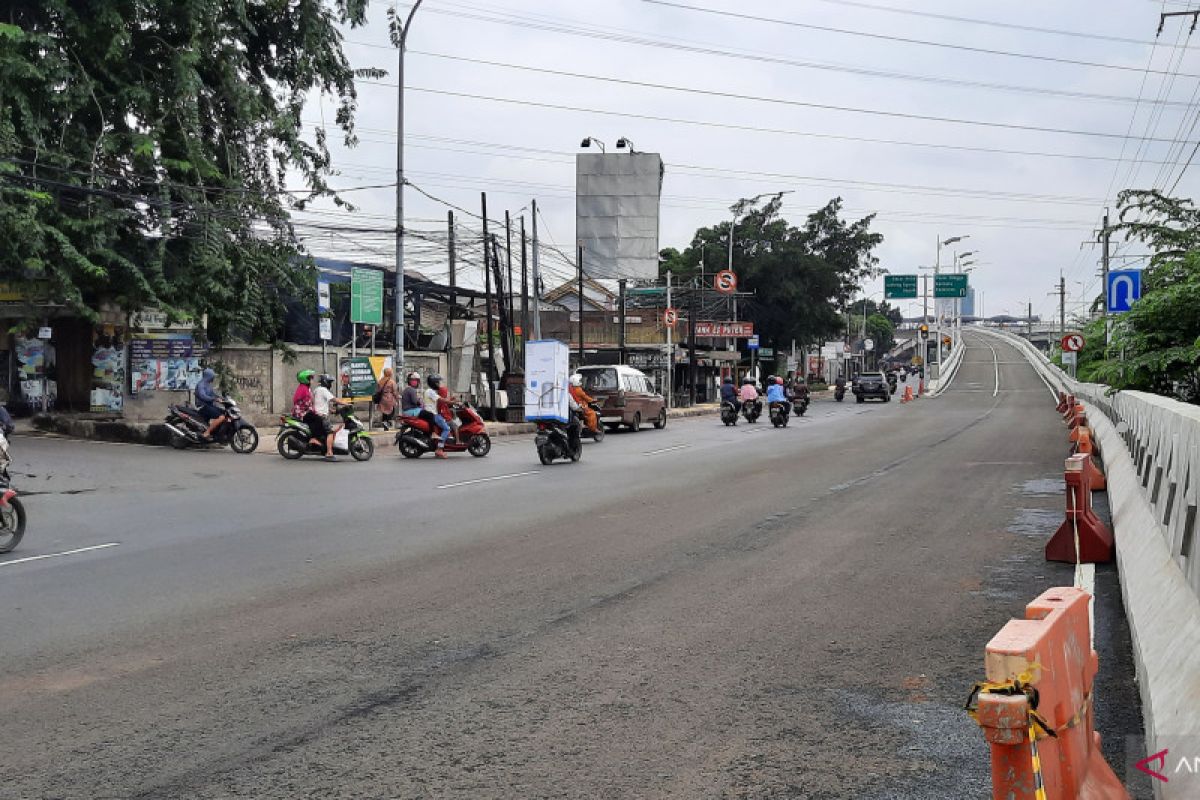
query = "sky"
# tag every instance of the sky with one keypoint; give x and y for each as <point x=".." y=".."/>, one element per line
<point x="938" y="129"/>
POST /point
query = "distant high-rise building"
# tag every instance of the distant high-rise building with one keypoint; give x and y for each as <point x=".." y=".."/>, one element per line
<point x="967" y="309"/>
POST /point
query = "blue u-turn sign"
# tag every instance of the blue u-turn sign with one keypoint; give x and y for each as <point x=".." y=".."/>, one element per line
<point x="1124" y="286"/>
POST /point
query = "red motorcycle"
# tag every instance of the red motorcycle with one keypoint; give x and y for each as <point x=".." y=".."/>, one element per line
<point x="417" y="437"/>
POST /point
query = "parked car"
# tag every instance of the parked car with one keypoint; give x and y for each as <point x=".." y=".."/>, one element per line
<point x="625" y="395"/>
<point x="872" y="384"/>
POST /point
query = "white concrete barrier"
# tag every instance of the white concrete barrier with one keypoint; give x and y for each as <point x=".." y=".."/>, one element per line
<point x="1151" y="451"/>
<point x="947" y="371"/>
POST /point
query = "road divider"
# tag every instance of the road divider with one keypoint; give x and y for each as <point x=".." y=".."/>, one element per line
<point x="1036" y="705"/>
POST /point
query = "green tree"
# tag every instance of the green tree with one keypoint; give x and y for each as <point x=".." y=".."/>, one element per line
<point x="882" y="331"/>
<point x="801" y="277"/>
<point x="1155" y="346"/>
<point x="145" y="144"/>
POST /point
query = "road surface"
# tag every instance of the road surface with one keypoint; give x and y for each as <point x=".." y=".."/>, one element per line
<point x="698" y="612"/>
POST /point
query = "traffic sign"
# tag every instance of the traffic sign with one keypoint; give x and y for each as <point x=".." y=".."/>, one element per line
<point x="1124" y="286"/>
<point x="323" y="304"/>
<point x="45" y="333"/>
<point x="1072" y="343"/>
<point x="1069" y="358"/>
<point x="868" y="345"/>
<point x="752" y="343"/>
<point x="326" y="329"/>
<point x="900" y="287"/>
<point x="766" y="352"/>
<point x="670" y="317"/>
<point x="725" y="282"/>
<point x="950" y="285"/>
<point x="366" y="296"/>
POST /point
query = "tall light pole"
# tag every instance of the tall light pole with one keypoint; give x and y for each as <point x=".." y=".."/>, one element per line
<point x="937" y="266"/>
<point x="399" y="365"/>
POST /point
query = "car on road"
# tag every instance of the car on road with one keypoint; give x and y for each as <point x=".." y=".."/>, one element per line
<point x="872" y="384"/>
<point x="625" y="396"/>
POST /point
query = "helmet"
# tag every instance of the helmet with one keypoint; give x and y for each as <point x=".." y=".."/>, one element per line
<point x="326" y="380"/>
<point x="747" y="380"/>
<point x="577" y="379"/>
<point x="770" y="379"/>
<point x="412" y="376"/>
<point x="728" y="379"/>
<point x="304" y="375"/>
<point x="434" y="381"/>
<point x="779" y="380"/>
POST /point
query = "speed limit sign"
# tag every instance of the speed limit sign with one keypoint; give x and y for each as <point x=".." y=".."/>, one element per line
<point x="725" y="282"/>
<point x="671" y="316"/>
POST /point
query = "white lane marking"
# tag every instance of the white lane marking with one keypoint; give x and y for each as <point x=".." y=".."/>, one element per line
<point x="56" y="555"/>
<point x="1085" y="578"/>
<point x="996" y="364"/>
<point x="486" y="480"/>
<point x="665" y="449"/>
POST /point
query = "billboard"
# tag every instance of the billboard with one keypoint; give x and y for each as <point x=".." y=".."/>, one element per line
<point x="616" y="213"/>
<point x="546" y="370"/>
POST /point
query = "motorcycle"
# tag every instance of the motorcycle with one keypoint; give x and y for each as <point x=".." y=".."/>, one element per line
<point x="751" y="410"/>
<point x="891" y="379"/>
<point x="417" y="437"/>
<point x="187" y="426"/>
<point x="12" y="513"/>
<point x="800" y="405"/>
<point x="597" y="435"/>
<point x="294" y="439"/>
<point x="729" y="413"/>
<point x="779" y="415"/>
<point x="839" y="393"/>
<point x="555" y="440"/>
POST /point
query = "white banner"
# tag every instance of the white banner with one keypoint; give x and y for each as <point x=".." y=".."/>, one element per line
<point x="547" y="364"/>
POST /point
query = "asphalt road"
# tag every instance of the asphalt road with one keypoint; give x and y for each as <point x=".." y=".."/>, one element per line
<point x="698" y="612"/>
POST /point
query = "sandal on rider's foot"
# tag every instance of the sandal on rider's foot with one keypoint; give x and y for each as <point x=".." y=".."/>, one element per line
<point x="331" y="458"/>
<point x="440" y="453"/>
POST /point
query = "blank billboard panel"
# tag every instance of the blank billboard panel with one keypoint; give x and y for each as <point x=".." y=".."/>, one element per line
<point x="616" y="213"/>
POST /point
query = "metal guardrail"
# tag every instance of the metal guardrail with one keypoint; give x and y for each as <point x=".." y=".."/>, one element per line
<point x="1163" y="439"/>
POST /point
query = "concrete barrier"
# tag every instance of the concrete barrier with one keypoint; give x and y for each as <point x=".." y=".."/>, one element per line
<point x="947" y="371"/>
<point x="1151" y="448"/>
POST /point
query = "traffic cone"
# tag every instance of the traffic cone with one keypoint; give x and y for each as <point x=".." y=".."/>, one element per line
<point x="908" y="395"/>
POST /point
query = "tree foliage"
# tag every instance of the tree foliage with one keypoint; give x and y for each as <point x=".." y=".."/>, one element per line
<point x="1155" y="346"/>
<point x="145" y="144"/>
<point x="802" y="277"/>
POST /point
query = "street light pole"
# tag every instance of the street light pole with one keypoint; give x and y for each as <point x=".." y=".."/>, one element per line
<point x="399" y="365"/>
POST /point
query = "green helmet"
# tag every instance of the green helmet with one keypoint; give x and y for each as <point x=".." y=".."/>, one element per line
<point x="305" y="375"/>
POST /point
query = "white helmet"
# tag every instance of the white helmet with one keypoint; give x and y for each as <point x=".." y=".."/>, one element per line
<point x="577" y="379"/>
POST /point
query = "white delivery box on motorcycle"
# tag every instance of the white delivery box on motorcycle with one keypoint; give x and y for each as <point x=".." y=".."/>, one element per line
<point x="547" y="393"/>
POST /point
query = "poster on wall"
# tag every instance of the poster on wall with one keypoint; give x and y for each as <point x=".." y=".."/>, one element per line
<point x="164" y="362"/>
<point x="35" y="371"/>
<point x="359" y="376"/>
<point x="108" y="372"/>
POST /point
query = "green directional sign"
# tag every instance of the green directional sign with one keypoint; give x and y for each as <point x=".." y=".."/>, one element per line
<point x="950" y="285"/>
<point x="366" y="296"/>
<point x="899" y="287"/>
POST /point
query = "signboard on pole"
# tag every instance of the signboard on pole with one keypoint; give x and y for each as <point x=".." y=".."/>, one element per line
<point x="900" y="287"/>
<point x="1072" y="343"/>
<point x="326" y="325"/>
<point x="725" y="282"/>
<point x="1070" y="358"/>
<point x="724" y="330"/>
<point x="670" y="317"/>
<point x="547" y="365"/>
<point x="323" y="304"/>
<point x="949" y="285"/>
<point x="359" y="375"/>
<point x="868" y="345"/>
<point x="752" y="343"/>
<point x="366" y="296"/>
<point x="1124" y="286"/>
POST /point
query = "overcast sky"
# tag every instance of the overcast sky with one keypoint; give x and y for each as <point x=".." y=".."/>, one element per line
<point x="1026" y="214"/>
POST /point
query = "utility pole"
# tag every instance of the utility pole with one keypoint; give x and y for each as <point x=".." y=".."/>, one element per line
<point x="400" y="188"/>
<point x="579" y="255"/>
<point x="511" y="304"/>
<point x="452" y="255"/>
<point x="524" y="290"/>
<point x="1029" y="319"/>
<point x="670" y="348"/>
<point x="1061" y="291"/>
<point x="621" y="345"/>
<point x="537" y="277"/>
<point x="1105" y="236"/>
<point x="692" y="348"/>
<point x="487" y="301"/>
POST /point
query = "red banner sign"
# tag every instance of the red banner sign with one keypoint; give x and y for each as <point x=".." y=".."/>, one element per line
<point x="724" y="330"/>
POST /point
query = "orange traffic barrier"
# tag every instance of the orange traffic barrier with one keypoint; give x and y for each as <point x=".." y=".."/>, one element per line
<point x="1080" y="423"/>
<point x="1082" y="537"/>
<point x="1076" y="414"/>
<point x="1069" y="411"/>
<point x="1035" y="708"/>
<point x="908" y="395"/>
<point x="1084" y="446"/>
<point x="1062" y="402"/>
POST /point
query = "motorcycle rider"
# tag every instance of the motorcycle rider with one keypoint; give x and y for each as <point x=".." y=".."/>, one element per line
<point x="729" y="394"/>
<point x="840" y="384"/>
<point x="324" y="405"/>
<point x="748" y="394"/>
<point x="207" y="403"/>
<point x="302" y="403"/>
<point x="411" y="403"/>
<point x="777" y="394"/>
<point x="431" y="409"/>
<point x="590" y="417"/>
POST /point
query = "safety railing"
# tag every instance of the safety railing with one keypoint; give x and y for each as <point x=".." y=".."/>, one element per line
<point x="1162" y="437"/>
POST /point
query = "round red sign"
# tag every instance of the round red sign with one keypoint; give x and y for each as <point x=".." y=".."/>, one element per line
<point x="671" y="316"/>
<point x="725" y="282"/>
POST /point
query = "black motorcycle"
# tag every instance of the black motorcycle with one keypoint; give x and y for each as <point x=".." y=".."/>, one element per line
<point x="800" y="405"/>
<point x="555" y="440"/>
<point x="752" y="410"/>
<point x="12" y="513"/>
<point x="779" y="415"/>
<point x="729" y="413"/>
<point x="891" y="379"/>
<point x="187" y="426"/>
<point x="839" y="393"/>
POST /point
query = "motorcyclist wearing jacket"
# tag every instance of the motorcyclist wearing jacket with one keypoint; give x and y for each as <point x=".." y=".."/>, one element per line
<point x="590" y="417"/>
<point x="777" y="394"/>
<point x="430" y="413"/>
<point x="208" y="402"/>
<point x="729" y="393"/>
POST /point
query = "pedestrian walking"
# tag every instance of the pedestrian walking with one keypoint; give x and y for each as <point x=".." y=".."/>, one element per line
<point x="387" y="395"/>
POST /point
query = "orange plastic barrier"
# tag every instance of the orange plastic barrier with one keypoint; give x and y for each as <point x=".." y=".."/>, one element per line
<point x="908" y="395"/>
<point x="1062" y="402"/>
<point x="1084" y="446"/>
<point x="1035" y="708"/>
<point x="1095" y="540"/>
<point x="1080" y="423"/>
<point x="1069" y="411"/>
